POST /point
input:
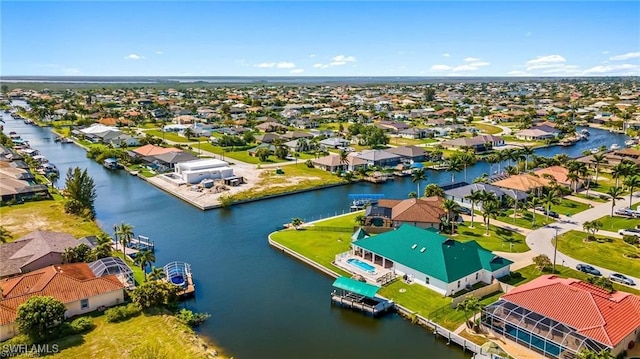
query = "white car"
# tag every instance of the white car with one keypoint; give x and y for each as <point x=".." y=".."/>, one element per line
<point x="617" y="277"/>
<point x="629" y="232"/>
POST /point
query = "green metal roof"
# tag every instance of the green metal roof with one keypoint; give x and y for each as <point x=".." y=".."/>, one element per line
<point x="357" y="287"/>
<point x="432" y="254"/>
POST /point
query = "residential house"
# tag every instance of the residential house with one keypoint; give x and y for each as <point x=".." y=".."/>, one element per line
<point x="415" y="133"/>
<point x="524" y="182"/>
<point x="334" y="142"/>
<point x="393" y="126"/>
<point x="267" y="137"/>
<point x="479" y="143"/>
<point x="425" y="212"/>
<point x="33" y="251"/>
<point x="460" y="194"/>
<point x="378" y="157"/>
<point x="197" y="170"/>
<point x="560" y="317"/>
<point x="271" y="126"/>
<point x="430" y="259"/>
<point x="559" y="174"/>
<point x="410" y="153"/>
<point x="332" y="163"/>
<point x="535" y="134"/>
<point x="18" y="184"/>
<point x="75" y="285"/>
<point x="294" y="135"/>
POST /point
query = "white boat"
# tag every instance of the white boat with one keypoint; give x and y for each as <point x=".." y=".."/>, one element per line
<point x="615" y="146"/>
<point x="585" y="132"/>
<point x="630" y="142"/>
<point x="595" y="150"/>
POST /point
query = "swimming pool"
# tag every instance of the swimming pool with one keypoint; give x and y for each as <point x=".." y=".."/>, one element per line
<point x="362" y="265"/>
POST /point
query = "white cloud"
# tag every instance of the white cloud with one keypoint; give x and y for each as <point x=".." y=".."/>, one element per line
<point x="479" y="64"/>
<point x="133" y="57"/>
<point x="621" y="69"/>
<point x="320" y="66"/>
<point x="266" y="65"/>
<point x="627" y="56"/>
<point x="297" y="71"/>
<point x="441" y="67"/>
<point x="337" y="63"/>
<point x="546" y="60"/>
<point x="341" y="59"/>
<point x="471" y="59"/>
<point x="465" y="67"/>
<point x="446" y="54"/>
<point x="518" y="73"/>
<point x="285" y="65"/>
<point x="159" y="52"/>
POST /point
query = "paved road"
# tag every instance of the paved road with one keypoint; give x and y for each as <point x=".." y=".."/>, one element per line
<point x="540" y="240"/>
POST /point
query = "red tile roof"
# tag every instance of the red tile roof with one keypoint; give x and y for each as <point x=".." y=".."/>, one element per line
<point x="151" y="150"/>
<point x="422" y="210"/>
<point x="67" y="283"/>
<point x="593" y="312"/>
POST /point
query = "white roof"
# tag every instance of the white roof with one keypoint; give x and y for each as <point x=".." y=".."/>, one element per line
<point x="98" y="128"/>
<point x="202" y="164"/>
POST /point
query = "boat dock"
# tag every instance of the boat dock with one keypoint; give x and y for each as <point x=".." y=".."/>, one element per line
<point x="360" y="296"/>
<point x="179" y="273"/>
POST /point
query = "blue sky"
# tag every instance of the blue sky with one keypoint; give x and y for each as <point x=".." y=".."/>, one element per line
<point x="331" y="38"/>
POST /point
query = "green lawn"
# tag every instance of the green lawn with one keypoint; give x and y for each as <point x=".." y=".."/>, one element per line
<point x="320" y="246"/>
<point x="170" y="337"/>
<point x="530" y="273"/>
<point x="488" y="129"/>
<point x="236" y="155"/>
<point x="523" y="220"/>
<point x="21" y="219"/>
<point x="570" y="207"/>
<point x="495" y="241"/>
<point x="295" y="178"/>
<point x="613" y="224"/>
<point x="605" y="252"/>
<point x="170" y="136"/>
<point x="591" y="197"/>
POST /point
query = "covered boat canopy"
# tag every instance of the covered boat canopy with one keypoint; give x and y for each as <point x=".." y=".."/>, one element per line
<point x="357" y="287"/>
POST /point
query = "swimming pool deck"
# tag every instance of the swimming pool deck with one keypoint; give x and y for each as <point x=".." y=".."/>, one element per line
<point x="380" y="276"/>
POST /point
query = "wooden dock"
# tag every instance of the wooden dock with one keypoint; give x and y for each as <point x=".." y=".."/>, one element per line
<point x="190" y="290"/>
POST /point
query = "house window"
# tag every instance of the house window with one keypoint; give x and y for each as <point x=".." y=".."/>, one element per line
<point x="426" y="280"/>
<point x="458" y="284"/>
<point x="84" y="303"/>
<point x="476" y="275"/>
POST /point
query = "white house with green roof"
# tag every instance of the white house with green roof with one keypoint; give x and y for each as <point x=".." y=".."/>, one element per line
<point x="435" y="261"/>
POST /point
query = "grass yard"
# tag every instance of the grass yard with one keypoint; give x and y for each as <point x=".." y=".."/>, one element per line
<point x="295" y="178"/>
<point x="497" y="240"/>
<point x="605" y="252"/>
<point x="570" y="207"/>
<point x="400" y="141"/>
<point x="320" y="246"/>
<point x="163" y="334"/>
<point x="486" y="128"/>
<point x="237" y="155"/>
<point x="613" y="224"/>
<point x="523" y="219"/>
<point x="48" y="215"/>
<point x="530" y="273"/>
<point x="591" y="197"/>
<point x="170" y="136"/>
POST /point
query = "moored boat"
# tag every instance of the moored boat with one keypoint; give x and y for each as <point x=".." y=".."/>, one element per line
<point x="615" y="146"/>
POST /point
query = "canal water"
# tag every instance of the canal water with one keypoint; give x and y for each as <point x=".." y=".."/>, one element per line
<point x="263" y="304"/>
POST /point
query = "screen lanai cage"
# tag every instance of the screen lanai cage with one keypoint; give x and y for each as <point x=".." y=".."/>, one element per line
<point x="537" y="332"/>
<point x="178" y="273"/>
<point x="116" y="266"/>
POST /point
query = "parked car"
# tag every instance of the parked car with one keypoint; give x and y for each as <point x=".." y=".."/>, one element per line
<point x="588" y="269"/>
<point x="627" y="212"/>
<point x="629" y="232"/>
<point x="621" y="278"/>
<point x="464" y="210"/>
<point x="544" y="211"/>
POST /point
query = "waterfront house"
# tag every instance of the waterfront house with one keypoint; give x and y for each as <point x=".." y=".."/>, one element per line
<point x="559" y="317"/>
<point x="534" y="134"/>
<point x="75" y="285"/>
<point x="332" y="163"/>
<point x="524" y="182"/>
<point x="459" y="194"/>
<point x="33" y="251"/>
<point x="479" y="143"/>
<point x="198" y="170"/>
<point x="613" y="158"/>
<point x="559" y="173"/>
<point x="18" y="184"/>
<point x="430" y="259"/>
<point x="378" y="157"/>
<point x="425" y="212"/>
<point x="410" y="153"/>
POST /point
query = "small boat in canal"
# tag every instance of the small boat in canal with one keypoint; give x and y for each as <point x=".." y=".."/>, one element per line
<point x="111" y="163"/>
<point x="615" y="146"/>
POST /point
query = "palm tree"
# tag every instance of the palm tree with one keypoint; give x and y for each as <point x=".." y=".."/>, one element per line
<point x="453" y="208"/>
<point x="492" y="159"/>
<point x="433" y="189"/>
<point x="53" y="177"/>
<point x="188" y="133"/>
<point x="574" y="178"/>
<point x="344" y="160"/>
<point x="502" y="156"/>
<point x="632" y="182"/>
<point x="615" y="194"/>
<point x="598" y="159"/>
<point x="515" y="155"/>
<point x="103" y="249"/>
<point x="470" y="304"/>
<point x="417" y="176"/>
<point x="5" y="235"/>
<point x="156" y="273"/>
<point x="124" y="234"/>
<point x="550" y="198"/>
<point x="490" y="209"/>
<point x="590" y="354"/>
<point x="143" y="258"/>
<point x="467" y="159"/>
<point x="454" y="166"/>
<point x="526" y="151"/>
<point x="475" y="197"/>
<point x="618" y="171"/>
<point x="533" y="203"/>
<point x="360" y="220"/>
<point x="296" y="222"/>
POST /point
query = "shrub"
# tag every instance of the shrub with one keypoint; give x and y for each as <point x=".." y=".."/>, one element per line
<point x="121" y="313"/>
<point x="190" y="318"/>
<point x="630" y="239"/>
<point x="39" y="317"/>
<point x="82" y="325"/>
<point x="516" y="275"/>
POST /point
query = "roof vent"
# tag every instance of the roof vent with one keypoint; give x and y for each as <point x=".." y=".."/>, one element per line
<point x="414" y="246"/>
<point x="422" y="249"/>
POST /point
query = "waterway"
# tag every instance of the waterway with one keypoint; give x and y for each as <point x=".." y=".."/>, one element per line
<point x="263" y="304"/>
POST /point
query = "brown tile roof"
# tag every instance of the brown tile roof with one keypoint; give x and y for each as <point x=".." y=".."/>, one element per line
<point x="592" y="311"/>
<point x="558" y="172"/>
<point x="151" y="150"/>
<point x="523" y="182"/>
<point x="67" y="283"/>
<point x="422" y="210"/>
